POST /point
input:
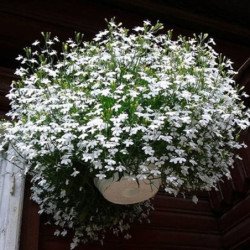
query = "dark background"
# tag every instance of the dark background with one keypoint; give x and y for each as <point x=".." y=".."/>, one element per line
<point x="21" y="22"/>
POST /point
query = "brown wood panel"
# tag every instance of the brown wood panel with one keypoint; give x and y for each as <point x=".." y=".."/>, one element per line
<point x="6" y="77"/>
<point x="186" y="17"/>
<point x="30" y="222"/>
<point x="227" y="192"/>
<point x="232" y="218"/>
<point x="22" y="21"/>
<point x="174" y="238"/>
<point x="142" y="237"/>
<point x="184" y="222"/>
<point x="4" y="104"/>
<point x="177" y="223"/>
<point x="164" y="202"/>
<point x="215" y="198"/>
<point x="237" y="237"/>
<point x="239" y="177"/>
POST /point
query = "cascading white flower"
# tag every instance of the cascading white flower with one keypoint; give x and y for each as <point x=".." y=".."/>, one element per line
<point x="120" y="102"/>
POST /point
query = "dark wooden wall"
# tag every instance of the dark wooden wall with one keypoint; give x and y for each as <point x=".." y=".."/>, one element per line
<point x="221" y="220"/>
<point x="21" y="22"/>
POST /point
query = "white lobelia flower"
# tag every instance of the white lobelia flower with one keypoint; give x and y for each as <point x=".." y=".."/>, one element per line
<point x="115" y="105"/>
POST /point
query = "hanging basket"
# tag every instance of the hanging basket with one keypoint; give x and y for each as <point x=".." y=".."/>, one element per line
<point x="127" y="190"/>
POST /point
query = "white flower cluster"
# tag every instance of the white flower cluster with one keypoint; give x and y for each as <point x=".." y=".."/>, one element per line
<point x="3" y="126"/>
<point x="121" y="103"/>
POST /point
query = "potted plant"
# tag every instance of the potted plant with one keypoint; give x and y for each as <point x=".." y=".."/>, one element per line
<point x="128" y="110"/>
